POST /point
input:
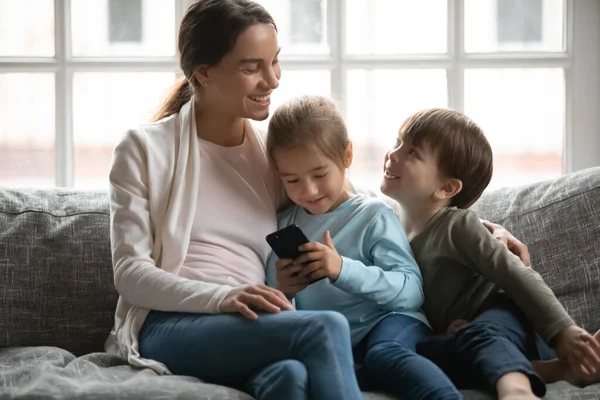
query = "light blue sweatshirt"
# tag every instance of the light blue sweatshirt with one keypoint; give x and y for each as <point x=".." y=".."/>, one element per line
<point x="379" y="274"/>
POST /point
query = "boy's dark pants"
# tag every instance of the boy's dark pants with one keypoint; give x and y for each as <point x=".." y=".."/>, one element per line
<point x="498" y="341"/>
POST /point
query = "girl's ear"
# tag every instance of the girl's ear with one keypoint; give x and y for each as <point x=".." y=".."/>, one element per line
<point x="348" y="156"/>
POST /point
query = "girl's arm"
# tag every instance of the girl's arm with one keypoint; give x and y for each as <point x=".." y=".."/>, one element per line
<point x="394" y="281"/>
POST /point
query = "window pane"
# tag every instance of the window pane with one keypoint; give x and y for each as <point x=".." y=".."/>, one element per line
<point x="514" y="25"/>
<point x="105" y="105"/>
<point x="123" y="27"/>
<point x="27" y="128"/>
<point x="522" y="112"/>
<point x="396" y="27"/>
<point x="302" y="25"/>
<point x="27" y="28"/>
<point x="378" y="102"/>
<point x="296" y="83"/>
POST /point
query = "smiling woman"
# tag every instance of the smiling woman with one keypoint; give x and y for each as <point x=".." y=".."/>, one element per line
<point x="192" y="200"/>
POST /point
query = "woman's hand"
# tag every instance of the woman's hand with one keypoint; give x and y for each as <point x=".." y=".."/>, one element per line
<point x="320" y="260"/>
<point x="514" y="245"/>
<point x="260" y="297"/>
<point x="288" y="280"/>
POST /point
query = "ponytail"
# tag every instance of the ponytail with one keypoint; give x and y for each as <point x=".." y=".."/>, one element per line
<point x="180" y="94"/>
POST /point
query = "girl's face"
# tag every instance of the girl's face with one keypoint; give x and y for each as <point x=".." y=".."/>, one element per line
<point x="242" y="83"/>
<point x="312" y="180"/>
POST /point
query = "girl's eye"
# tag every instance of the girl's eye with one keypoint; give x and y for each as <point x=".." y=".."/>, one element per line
<point x="292" y="181"/>
<point x="321" y="176"/>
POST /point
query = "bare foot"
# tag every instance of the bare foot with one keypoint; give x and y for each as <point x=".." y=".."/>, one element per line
<point x="577" y="378"/>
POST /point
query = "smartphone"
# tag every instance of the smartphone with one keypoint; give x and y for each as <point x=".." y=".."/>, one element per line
<point x="285" y="242"/>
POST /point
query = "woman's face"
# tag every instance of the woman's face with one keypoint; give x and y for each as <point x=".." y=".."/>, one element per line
<point x="242" y="83"/>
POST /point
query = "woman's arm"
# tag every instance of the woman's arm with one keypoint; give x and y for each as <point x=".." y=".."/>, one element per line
<point x="512" y="243"/>
<point x="137" y="277"/>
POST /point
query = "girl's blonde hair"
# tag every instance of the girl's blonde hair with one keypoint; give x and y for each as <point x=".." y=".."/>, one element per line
<point x="311" y="121"/>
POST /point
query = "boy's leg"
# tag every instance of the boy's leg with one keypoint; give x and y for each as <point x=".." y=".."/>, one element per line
<point x="393" y="364"/>
<point x="231" y="350"/>
<point x="552" y="370"/>
<point x="499" y="343"/>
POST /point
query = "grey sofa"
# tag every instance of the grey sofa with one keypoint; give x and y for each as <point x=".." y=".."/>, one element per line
<point x="58" y="297"/>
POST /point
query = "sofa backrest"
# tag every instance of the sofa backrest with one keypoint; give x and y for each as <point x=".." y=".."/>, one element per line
<point x="56" y="278"/>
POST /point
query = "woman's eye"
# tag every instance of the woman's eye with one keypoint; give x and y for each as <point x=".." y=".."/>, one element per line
<point x="253" y="70"/>
<point x="398" y="143"/>
<point x="275" y="62"/>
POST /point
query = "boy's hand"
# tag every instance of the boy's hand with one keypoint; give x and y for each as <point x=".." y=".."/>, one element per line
<point x="322" y="260"/>
<point x="288" y="280"/>
<point x="579" y="349"/>
<point x="455" y="326"/>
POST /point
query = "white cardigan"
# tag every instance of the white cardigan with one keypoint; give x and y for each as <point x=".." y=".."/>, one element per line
<point x="154" y="182"/>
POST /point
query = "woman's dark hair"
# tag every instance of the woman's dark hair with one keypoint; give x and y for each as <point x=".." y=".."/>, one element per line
<point x="207" y="33"/>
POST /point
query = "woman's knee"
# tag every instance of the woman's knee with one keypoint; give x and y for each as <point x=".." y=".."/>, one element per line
<point x="293" y="372"/>
<point x="331" y="322"/>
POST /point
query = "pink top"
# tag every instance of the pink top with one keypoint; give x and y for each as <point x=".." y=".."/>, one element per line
<point x="234" y="213"/>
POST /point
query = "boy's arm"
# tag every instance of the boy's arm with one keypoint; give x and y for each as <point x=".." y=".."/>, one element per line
<point x="394" y="281"/>
<point x="493" y="259"/>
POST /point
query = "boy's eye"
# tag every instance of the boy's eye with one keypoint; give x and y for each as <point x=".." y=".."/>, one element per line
<point x="397" y="143"/>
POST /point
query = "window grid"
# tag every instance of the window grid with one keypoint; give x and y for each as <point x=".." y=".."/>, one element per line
<point x="455" y="61"/>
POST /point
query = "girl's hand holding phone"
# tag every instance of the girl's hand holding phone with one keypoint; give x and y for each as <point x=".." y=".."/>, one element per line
<point x="320" y="260"/>
<point x="288" y="280"/>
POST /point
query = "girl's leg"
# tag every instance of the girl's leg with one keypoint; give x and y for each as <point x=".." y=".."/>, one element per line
<point x="499" y="344"/>
<point x="257" y="356"/>
<point x="393" y="365"/>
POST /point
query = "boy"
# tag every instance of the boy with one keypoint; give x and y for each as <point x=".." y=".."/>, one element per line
<point x="440" y="166"/>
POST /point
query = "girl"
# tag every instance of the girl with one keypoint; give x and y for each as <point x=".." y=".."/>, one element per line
<point x="372" y="277"/>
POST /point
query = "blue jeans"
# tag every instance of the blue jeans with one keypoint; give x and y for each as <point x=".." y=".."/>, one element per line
<point x="390" y="362"/>
<point x="498" y="341"/>
<point x="289" y="355"/>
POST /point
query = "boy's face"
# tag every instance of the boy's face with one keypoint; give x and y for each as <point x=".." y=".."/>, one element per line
<point x="411" y="174"/>
<point x="311" y="180"/>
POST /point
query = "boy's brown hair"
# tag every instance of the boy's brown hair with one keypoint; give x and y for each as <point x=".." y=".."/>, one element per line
<point x="461" y="148"/>
<point x="312" y="121"/>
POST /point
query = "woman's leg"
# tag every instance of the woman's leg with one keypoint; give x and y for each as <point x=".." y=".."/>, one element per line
<point x="393" y="364"/>
<point x="231" y="350"/>
<point x="499" y="344"/>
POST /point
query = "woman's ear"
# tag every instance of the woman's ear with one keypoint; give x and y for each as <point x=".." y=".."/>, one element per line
<point x="201" y="75"/>
<point x="349" y="155"/>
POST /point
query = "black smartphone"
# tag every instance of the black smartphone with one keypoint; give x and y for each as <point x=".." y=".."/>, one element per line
<point x="285" y="242"/>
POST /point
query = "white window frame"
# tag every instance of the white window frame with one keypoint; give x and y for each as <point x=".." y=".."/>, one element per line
<point x="581" y="62"/>
<point x="64" y="65"/>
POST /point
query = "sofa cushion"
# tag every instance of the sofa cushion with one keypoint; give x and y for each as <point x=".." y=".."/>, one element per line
<point x="56" y="278"/>
<point x="559" y="220"/>
<point x="52" y="373"/>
